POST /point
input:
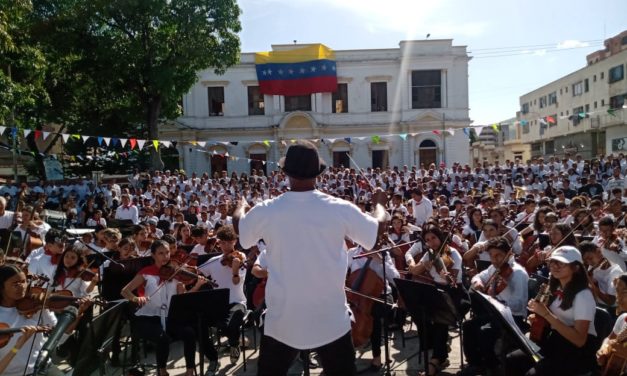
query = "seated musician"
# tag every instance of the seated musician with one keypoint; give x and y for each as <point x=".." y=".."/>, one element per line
<point x="443" y="264"/>
<point x="479" y="250"/>
<point x="528" y="215"/>
<point x="561" y="234"/>
<point x="150" y="318"/>
<point x="46" y="263"/>
<point x="228" y="272"/>
<point x="110" y="238"/>
<point x="612" y="246"/>
<point x="142" y="243"/>
<point x="567" y="346"/>
<point x="201" y="237"/>
<point x="602" y="274"/>
<point x="510" y="234"/>
<point x="68" y="274"/>
<point x="510" y="288"/>
<point x="472" y="231"/>
<point x="620" y="327"/>
<point x="18" y="356"/>
<point x="378" y="309"/>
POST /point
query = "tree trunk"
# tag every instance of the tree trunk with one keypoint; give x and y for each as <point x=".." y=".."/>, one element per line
<point x="153" y="111"/>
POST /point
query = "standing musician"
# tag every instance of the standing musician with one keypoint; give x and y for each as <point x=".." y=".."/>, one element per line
<point x="443" y="264"/>
<point x="378" y="309"/>
<point x="307" y="306"/>
<point x="228" y="271"/>
<point x="154" y="303"/>
<point x="506" y="281"/>
<point x="611" y="244"/>
<point x="567" y="346"/>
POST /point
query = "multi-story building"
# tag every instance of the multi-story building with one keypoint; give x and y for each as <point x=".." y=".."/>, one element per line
<point x="392" y="107"/>
<point x="583" y="112"/>
<point x="489" y="146"/>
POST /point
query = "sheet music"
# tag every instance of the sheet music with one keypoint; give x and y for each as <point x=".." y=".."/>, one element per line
<point x="506" y="313"/>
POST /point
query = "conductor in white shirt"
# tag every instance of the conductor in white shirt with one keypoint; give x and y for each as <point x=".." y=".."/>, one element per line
<point x="304" y="230"/>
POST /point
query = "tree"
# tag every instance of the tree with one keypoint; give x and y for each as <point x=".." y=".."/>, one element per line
<point x="133" y="60"/>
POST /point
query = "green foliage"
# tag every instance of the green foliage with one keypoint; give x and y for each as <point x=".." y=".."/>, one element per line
<point x="123" y="65"/>
<point x="113" y="68"/>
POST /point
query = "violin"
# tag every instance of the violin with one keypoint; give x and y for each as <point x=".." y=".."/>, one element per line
<point x="6" y="332"/>
<point x="84" y="274"/>
<point x="538" y="323"/>
<point x="185" y="275"/>
<point x="36" y="299"/>
<point x="227" y="260"/>
<point x="498" y="281"/>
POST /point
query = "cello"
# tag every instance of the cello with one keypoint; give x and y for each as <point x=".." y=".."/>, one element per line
<point x="363" y="287"/>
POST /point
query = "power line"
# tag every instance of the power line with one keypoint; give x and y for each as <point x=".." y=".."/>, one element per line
<point x="529" y="52"/>
<point x="593" y="41"/>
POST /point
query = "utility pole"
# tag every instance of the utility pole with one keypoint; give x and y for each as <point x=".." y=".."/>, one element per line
<point x="444" y="139"/>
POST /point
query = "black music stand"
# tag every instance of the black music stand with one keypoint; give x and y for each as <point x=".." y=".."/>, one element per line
<point x="207" y="308"/>
<point x="424" y="301"/>
<point x="521" y="226"/>
<point x="94" y="348"/>
<point x="501" y="317"/>
<point x="115" y="277"/>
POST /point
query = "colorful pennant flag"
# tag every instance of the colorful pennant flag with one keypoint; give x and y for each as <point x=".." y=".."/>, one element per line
<point x="140" y="144"/>
<point x="133" y="142"/>
<point x="155" y="143"/>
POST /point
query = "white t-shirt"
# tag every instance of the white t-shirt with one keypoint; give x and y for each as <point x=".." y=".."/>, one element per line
<point x="306" y="258"/>
<point x="621" y="324"/>
<point x="515" y="295"/>
<point x="457" y="265"/>
<point x="583" y="308"/>
<point x="159" y="297"/>
<point x="223" y="277"/>
<point x="605" y="279"/>
<point x="6" y="220"/>
<point x="125" y="213"/>
<point x="42" y="265"/>
<point x="11" y="317"/>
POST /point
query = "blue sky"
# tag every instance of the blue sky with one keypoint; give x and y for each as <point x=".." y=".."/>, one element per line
<point x="560" y="32"/>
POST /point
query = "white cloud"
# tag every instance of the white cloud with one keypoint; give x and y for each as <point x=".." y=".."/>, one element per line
<point x="571" y="43"/>
<point x="539" y="52"/>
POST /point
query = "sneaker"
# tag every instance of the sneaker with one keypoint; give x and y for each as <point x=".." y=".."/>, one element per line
<point x="235" y="351"/>
<point x="212" y="368"/>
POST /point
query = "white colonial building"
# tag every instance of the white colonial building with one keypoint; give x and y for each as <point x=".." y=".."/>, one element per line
<point x="413" y="90"/>
<point x="588" y="107"/>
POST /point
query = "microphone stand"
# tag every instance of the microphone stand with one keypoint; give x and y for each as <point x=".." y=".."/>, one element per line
<point x="386" y="336"/>
<point x="100" y="253"/>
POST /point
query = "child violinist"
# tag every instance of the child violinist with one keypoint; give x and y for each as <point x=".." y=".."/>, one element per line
<point x="568" y="344"/>
<point x="228" y="271"/>
<point x="443" y="264"/>
<point x="72" y="275"/>
<point x="16" y="358"/>
<point x="601" y="273"/>
<point x="154" y="303"/>
<point x="506" y="281"/>
<point x="620" y="327"/>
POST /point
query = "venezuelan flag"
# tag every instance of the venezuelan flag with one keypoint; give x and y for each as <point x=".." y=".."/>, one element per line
<point x="299" y="71"/>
